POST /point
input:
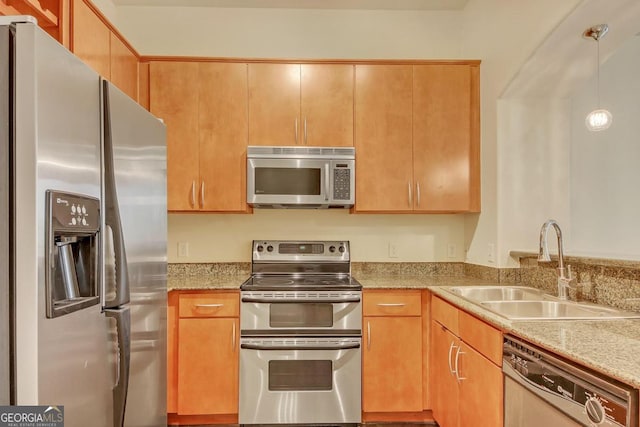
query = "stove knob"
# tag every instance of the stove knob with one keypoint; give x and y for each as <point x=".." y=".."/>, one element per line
<point x="341" y="249"/>
<point x="332" y="249"/>
<point x="260" y="248"/>
<point x="269" y="248"/>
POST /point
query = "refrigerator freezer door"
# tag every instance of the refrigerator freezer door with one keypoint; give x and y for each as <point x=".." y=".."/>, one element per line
<point x="139" y="168"/>
<point x="61" y="361"/>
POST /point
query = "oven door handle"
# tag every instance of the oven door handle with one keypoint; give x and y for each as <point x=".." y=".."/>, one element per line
<point x="349" y="346"/>
<point x="300" y="300"/>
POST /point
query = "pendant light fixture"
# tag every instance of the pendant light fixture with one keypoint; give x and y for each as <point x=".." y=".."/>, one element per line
<point x="600" y="118"/>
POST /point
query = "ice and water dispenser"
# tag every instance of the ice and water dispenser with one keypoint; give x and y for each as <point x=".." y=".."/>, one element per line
<point x="73" y="222"/>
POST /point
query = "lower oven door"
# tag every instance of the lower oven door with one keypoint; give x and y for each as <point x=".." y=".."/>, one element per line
<point x="298" y="312"/>
<point x="300" y="380"/>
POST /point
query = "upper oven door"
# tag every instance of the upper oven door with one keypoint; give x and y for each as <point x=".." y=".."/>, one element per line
<point x="288" y="181"/>
<point x="317" y="313"/>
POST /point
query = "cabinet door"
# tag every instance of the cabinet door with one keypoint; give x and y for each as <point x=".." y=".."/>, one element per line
<point x="173" y="97"/>
<point x="172" y="353"/>
<point x="223" y="124"/>
<point x="90" y="38"/>
<point x="274" y="104"/>
<point x="384" y="167"/>
<point x="442" y="137"/>
<point x="481" y="390"/>
<point x="392" y="364"/>
<point x="124" y="67"/>
<point x="444" y="387"/>
<point x="327" y="105"/>
<point x="208" y="366"/>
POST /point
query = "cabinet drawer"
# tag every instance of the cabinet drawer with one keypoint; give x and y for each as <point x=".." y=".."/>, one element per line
<point x="445" y="314"/>
<point x="481" y="336"/>
<point x="215" y="304"/>
<point x="392" y="303"/>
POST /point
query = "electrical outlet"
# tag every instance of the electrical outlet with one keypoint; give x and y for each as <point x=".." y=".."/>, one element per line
<point x="491" y="252"/>
<point x="393" y="250"/>
<point x="183" y="249"/>
<point x="451" y="250"/>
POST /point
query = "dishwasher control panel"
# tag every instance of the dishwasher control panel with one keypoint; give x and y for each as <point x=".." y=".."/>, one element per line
<point x="583" y="395"/>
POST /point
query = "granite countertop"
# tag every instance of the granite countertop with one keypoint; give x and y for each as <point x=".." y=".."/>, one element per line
<point x="607" y="346"/>
<point x="205" y="281"/>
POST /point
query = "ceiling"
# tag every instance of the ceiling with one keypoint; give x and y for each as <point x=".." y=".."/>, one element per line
<point x="307" y="4"/>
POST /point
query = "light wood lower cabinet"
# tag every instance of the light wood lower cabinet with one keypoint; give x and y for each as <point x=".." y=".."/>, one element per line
<point x="203" y="358"/>
<point x="466" y="377"/>
<point x="392" y="352"/>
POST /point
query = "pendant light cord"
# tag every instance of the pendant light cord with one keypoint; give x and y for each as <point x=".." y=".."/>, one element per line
<point x="598" y="69"/>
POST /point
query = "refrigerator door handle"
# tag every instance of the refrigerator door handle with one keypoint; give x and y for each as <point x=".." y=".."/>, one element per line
<point x="122" y="317"/>
<point x="112" y="211"/>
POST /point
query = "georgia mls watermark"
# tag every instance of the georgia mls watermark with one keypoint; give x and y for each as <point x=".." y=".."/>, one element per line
<point x="32" y="416"/>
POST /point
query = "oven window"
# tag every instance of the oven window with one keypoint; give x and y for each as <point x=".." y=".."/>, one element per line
<point x="296" y="181"/>
<point x="298" y="375"/>
<point x="301" y="315"/>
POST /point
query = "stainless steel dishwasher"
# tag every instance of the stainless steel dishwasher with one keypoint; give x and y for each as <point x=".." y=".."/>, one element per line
<point x="541" y="389"/>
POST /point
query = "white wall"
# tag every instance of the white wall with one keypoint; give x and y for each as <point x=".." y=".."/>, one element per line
<point x="549" y="166"/>
<point x="291" y="33"/>
<point x="227" y="238"/>
<point x="605" y="166"/>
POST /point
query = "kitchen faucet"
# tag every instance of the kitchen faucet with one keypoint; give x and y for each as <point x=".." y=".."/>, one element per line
<point x="565" y="279"/>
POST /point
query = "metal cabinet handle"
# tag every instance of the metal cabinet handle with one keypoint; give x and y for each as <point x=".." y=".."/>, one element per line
<point x="457" y="368"/>
<point x="305" y="131"/>
<point x="390" y="304"/>
<point x="327" y="182"/>
<point x="209" y="305"/>
<point x="368" y="335"/>
<point x="295" y="129"/>
<point x="193" y="193"/>
<point x="418" y="192"/>
<point x="410" y="195"/>
<point x="233" y="337"/>
<point x="451" y="347"/>
<point x="202" y="194"/>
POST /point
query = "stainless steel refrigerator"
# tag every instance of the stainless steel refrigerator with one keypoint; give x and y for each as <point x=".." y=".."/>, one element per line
<point x="82" y="239"/>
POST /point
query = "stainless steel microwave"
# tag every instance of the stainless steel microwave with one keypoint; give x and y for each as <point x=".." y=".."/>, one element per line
<point x="300" y="177"/>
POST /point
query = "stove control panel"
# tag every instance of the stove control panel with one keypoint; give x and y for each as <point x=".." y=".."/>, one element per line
<point x="288" y="250"/>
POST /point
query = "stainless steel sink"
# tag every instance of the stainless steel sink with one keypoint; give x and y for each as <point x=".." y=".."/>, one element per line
<point x="559" y="310"/>
<point x="497" y="293"/>
<point x="524" y="303"/>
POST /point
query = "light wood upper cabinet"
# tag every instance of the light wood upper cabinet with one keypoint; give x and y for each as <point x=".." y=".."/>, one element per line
<point x="326" y="104"/>
<point x="442" y="143"/>
<point x="223" y="123"/>
<point x="93" y="41"/>
<point x="294" y="104"/>
<point x="124" y="67"/>
<point x="90" y="38"/>
<point x="274" y="104"/>
<point x="173" y="97"/>
<point x="383" y="121"/>
<point x="204" y="105"/>
<point x="417" y="138"/>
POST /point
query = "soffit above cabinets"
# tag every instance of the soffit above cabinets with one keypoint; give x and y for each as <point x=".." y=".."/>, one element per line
<point x="307" y="4"/>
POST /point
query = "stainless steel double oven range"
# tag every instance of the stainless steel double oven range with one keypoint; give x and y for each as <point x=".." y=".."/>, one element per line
<point x="301" y="333"/>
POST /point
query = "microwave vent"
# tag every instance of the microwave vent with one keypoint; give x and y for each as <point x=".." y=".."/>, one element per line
<point x="256" y="151"/>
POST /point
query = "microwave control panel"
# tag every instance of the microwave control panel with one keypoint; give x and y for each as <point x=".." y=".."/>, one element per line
<point x="341" y="183"/>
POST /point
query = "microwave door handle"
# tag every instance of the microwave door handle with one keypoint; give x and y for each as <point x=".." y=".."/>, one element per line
<point x="326" y="182"/>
